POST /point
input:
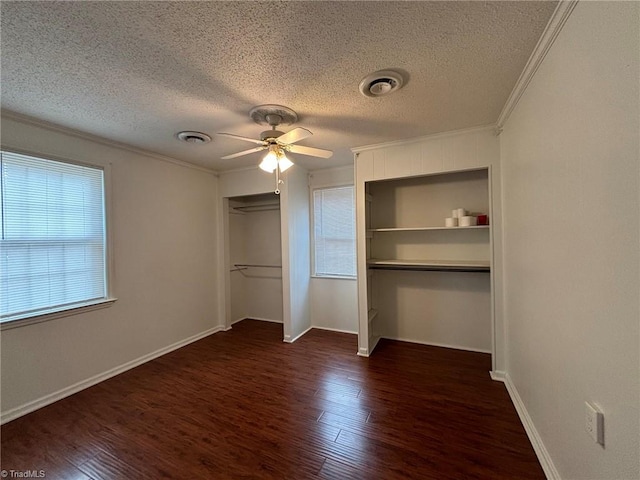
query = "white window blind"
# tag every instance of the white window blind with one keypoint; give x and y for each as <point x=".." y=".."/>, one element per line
<point x="53" y="236"/>
<point x="334" y="232"/>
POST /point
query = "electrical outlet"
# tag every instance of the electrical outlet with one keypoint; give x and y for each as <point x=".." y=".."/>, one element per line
<point x="594" y="423"/>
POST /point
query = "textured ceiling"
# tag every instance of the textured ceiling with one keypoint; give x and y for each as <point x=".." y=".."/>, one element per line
<point x="138" y="72"/>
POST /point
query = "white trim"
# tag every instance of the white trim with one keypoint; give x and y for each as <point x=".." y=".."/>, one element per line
<point x="534" y="437"/>
<point x="335" y="277"/>
<point x="44" y="155"/>
<point x="339" y="330"/>
<point x="320" y="186"/>
<point x="261" y="319"/>
<point x="492" y="273"/>
<point x="551" y="31"/>
<point x="29" y="407"/>
<point x="63" y="312"/>
<point x="240" y="169"/>
<point x="289" y="340"/>
<point x="442" y="345"/>
<point x="407" y="141"/>
<point x="363" y="352"/>
<point x="18" y="117"/>
<point x="497" y="375"/>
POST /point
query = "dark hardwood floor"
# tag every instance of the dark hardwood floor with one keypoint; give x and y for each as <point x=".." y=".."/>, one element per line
<point x="242" y="404"/>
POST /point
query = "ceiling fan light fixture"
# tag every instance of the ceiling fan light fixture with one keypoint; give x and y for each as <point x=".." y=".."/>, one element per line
<point x="270" y="161"/>
<point x="276" y="142"/>
<point x="283" y="162"/>
<point x="381" y="83"/>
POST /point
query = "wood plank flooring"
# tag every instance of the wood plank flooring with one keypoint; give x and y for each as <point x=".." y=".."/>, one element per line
<point x="244" y="405"/>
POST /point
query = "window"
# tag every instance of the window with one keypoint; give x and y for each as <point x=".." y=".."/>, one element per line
<point x="53" y="244"/>
<point x="334" y="232"/>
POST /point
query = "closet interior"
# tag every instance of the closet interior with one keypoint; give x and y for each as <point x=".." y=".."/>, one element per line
<point x="255" y="258"/>
<point x="426" y="282"/>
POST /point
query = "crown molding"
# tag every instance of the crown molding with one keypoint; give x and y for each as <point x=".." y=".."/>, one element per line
<point x="552" y="30"/>
<point x="238" y="170"/>
<point x="406" y="141"/>
<point x="18" y="117"/>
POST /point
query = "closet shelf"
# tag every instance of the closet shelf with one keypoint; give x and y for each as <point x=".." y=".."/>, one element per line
<point x="437" y="265"/>
<point x="420" y="229"/>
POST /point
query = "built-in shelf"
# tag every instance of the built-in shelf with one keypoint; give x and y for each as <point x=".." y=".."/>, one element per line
<point x="372" y="314"/>
<point x="419" y="229"/>
<point x="439" y="265"/>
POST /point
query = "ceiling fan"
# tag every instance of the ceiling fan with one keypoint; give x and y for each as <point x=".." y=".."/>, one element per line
<point x="276" y="142"/>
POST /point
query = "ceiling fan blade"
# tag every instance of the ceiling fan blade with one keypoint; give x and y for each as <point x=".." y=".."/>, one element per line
<point x="314" y="152"/>
<point x="294" y="136"/>
<point x="246" y="139"/>
<point x="245" y="152"/>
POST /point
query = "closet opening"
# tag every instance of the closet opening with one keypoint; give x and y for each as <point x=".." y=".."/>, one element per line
<point x="428" y="257"/>
<point x="254" y="255"/>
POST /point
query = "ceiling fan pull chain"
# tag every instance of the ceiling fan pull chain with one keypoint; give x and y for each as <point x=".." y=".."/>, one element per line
<point x="278" y="181"/>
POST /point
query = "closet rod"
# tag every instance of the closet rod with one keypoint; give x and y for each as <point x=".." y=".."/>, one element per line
<point x="247" y="265"/>
<point x="256" y="208"/>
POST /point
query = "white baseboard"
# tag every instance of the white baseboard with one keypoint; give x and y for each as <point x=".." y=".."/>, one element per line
<point x="264" y="319"/>
<point x="498" y="375"/>
<point x="543" y="455"/>
<point x="363" y="352"/>
<point x="287" y="338"/>
<point x="443" y="345"/>
<point x="256" y="318"/>
<point x="334" y="330"/>
<point x="29" y="407"/>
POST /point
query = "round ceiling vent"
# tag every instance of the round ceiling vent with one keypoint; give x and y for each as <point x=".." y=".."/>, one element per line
<point x="381" y="83"/>
<point x="194" y="137"/>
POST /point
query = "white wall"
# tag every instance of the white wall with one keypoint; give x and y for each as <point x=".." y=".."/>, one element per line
<point x="570" y="153"/>
<point x="163" y="231"/>
<point x="448" y="309"/>
<point x="237" y="248"/>
<point x="246" y="181"/>
<point x="296" y="251"/>
<point x="334" y="301"/>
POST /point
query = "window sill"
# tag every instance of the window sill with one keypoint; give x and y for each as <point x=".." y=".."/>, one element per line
<point x="334" y="277"/>
<point x="8" y="324"/>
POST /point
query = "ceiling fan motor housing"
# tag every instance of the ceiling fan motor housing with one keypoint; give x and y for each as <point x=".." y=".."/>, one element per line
<point x="270" y="134"/>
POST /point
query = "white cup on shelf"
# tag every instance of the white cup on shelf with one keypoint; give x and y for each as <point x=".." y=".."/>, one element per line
<point x="451" y="222"/>
<point x="460" y="212"/>
<point x="468" y="221"/>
